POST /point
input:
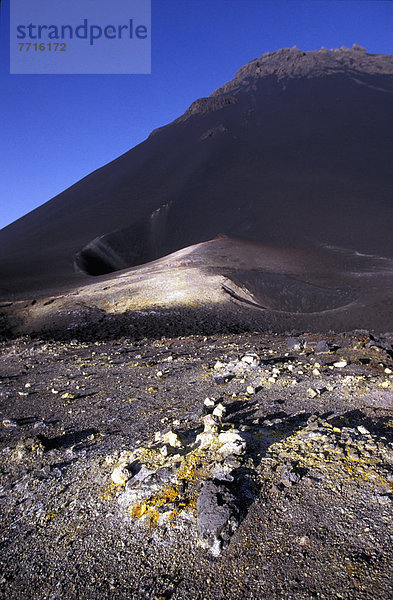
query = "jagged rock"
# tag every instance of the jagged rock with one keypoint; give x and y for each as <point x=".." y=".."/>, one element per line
<point x="206" y="438"/>
<point x="251" y="360"/>
<point x="219" y="411"/>
<point x="210" y="423"/>
<point x="217" y="516"/>
<point x="291" y="474"/>
<point x="232" y="435"/>
<point x="236" y="447"/>
<point x="209" y="402"/>
<point x="172" y="439"/>
<point x="361" y="429"/>
<point x="145" y="484"/>
<point x="219" y="365"/>
<point x="321" y="347"/>
<point x="222" y="472"/>
<point x="295" y="344"/>
<point x="30" y="447"/>
<point x="121" y="475"/>
<point x="232" y="443"/>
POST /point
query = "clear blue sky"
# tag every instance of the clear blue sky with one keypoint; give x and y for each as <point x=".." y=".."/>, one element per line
<point x="55" y="129"/>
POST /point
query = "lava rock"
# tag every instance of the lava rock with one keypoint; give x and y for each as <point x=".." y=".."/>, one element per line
<point x="295" y="344"/>
<point x="322" y="346"/>
<point x="217" y="516"/>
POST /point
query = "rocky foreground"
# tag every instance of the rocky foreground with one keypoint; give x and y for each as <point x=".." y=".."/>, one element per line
<point x="226" y="466"/>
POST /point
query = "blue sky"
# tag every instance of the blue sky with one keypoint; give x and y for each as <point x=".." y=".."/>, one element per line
<point x="55" y="129"/>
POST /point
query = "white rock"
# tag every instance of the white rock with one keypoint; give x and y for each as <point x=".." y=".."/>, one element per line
<point x="340" y="364"/>
<point x="232" y="435"/>
<point x="219" y="411"/>
<point x="362" y="430"/>
<point x="121" y="475"/>
<point x="250" y="390"/>
<point x="9" y="423"/>
<point x="172" y="439"/>
<point x="236" y="447"/>
<point x="312" y="393"/>
<point x="206" y="438"/>
<point x="250" y="359"/>
<point x="209" y="402"/>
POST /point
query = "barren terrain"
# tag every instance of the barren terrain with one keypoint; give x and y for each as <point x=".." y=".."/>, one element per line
<point x="311" y="489"/>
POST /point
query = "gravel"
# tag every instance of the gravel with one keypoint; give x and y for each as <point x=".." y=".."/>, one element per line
<point x="306" y="512"/>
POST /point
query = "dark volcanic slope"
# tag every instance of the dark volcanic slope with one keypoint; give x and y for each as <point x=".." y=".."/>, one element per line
<point x="297" y="149"/>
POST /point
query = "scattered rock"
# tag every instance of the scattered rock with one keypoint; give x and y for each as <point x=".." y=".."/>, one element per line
<point x="361" y="429"/>
<point x="209" y="403"/>
<point x="9" y="423"/>
<point x="295" y="344"/>
<point x="322" y="347"/>
<point x="68" y="396"/>
<point x="172" y="439"/>
<point x="219" y="411"/>
<point x="252" y="360"/>
<point x="291" y="474"/>
<point x="340" y="364"/>
<point x="29" y="447"/>
<point x="236" y="447"/>
<point x="121" y="475"/>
